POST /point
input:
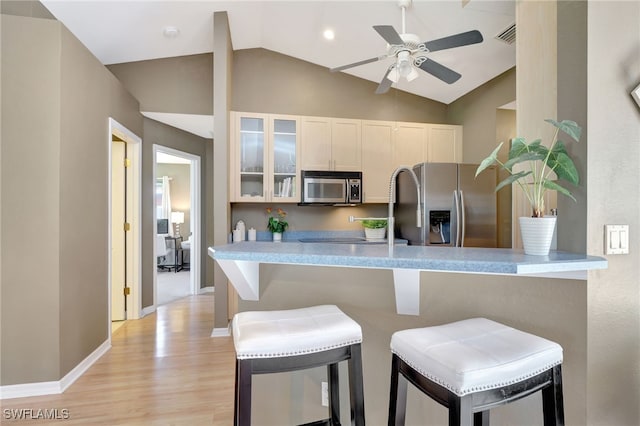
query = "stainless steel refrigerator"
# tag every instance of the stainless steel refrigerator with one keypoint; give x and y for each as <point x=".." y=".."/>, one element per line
<point x="458" y="210"/>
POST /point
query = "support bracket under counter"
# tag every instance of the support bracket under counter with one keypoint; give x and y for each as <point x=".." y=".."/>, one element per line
<point x="241" y="263"/>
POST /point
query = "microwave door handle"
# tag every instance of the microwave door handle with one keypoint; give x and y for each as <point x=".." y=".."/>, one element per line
<point x="463" y="215"/>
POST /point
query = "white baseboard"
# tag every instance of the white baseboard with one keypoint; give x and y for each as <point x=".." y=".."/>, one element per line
<point x="221" y="332"/>
<point x="56" y="387"/>
<point x="148" y="310"/>
<point x="208" y="289"/>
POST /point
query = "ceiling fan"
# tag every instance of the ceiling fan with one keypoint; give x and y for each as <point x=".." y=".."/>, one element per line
<point x="411" y="54"/>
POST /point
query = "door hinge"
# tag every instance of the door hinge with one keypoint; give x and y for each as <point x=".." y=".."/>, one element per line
<point x="127" y="291"/>
<point x="127" y="226"/>
<point x="127" y="162"/>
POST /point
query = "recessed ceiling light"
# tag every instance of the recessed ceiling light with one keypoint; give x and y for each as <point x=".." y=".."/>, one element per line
<point x="329" y="34"/>
<point x="171" y="32"/>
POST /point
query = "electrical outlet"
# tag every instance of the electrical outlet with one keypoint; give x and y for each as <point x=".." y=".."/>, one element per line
<point x="325" y="394"/>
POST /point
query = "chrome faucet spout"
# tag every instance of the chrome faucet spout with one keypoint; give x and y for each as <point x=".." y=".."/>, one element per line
<point x="392" y="200"/>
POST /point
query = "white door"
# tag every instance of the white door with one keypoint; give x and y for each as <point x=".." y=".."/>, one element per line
<point x="118" y="233"/>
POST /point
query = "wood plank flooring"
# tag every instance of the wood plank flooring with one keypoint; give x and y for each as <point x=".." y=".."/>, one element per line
<point x="163" y="369"/>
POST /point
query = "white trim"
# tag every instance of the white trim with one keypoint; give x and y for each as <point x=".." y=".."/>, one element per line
<point x="208" y="289"/>
<point x="135" y="144"/>
<point x="55" y="387"/>
<point x="195" y="206"/>
<point x="221" y="331"/>
<point x="148" y="310"/>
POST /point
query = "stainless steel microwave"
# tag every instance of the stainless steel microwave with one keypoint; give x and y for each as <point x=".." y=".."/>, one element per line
<point x="331" y="188"/>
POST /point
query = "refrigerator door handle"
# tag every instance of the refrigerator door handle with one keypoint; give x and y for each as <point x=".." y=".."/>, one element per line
<point x="462" y="214"/>
<point x="456" y="243"/>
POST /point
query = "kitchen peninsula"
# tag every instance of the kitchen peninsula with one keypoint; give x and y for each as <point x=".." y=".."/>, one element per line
<point x="241" y="261"/>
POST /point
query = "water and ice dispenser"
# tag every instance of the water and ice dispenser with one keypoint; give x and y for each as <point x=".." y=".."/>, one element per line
<point x="439" y="227"/>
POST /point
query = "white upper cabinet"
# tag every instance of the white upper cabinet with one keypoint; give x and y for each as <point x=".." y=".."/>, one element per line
<point x="444" y="143"/>
<point x="409" y="144"/>
<point x="268" y="152"/>
<point x="330" y="144"/>
<point x="264" y="158"/>
<point x="377" y="149"/>
<point x="346" y="144"/>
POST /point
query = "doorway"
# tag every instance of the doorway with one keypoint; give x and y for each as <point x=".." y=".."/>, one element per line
<point x="124" y="224"/>
<point x="177" y="217"/>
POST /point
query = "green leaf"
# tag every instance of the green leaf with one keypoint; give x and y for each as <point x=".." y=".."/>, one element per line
<point x="518" y="146"/>
<point x="525" y="156"/>
<point x="564" y="168"/>
<point x="509" y="180"/>
<point x="489" y="160"/>
<point x="571" y="128"/>
<point x="552" y="185"/>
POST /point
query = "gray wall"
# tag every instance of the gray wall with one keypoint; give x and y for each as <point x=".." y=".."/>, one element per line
<point x="182" y="84"/>
<point x="477" y="112"/>
<point x="180" y="185"/>
<point x="56" y="101"/>
<point x="168" y="136"/>
<point x="266" y="81"/>
<point x="613" y="182"/>
<point x="177" y="85"/>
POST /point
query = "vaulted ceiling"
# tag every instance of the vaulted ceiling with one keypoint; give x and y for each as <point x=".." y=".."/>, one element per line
<point x="126" y="31"/>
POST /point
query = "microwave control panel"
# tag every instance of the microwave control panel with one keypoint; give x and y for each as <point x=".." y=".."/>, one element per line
<point x="355" y="190"/>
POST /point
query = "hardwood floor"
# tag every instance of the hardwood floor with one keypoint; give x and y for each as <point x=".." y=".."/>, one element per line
<point x="164" y="369"/>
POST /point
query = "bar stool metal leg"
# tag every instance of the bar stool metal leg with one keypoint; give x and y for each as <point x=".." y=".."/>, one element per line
<point x="552" y="404"/>
<point x="242" y="415"/>
<point x="334" y="393"/>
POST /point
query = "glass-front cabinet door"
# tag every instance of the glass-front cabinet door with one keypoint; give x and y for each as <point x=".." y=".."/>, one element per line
<point x="251" y="158"/>
<point x="284" y="152"/>
<point x="264" y="158"/>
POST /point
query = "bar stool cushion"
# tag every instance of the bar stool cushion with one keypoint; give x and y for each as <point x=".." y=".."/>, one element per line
<point x="475" y="354"/>
<point x="272" y="334"/>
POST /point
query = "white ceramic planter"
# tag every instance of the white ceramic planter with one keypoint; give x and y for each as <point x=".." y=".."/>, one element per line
<point x="277" y="237"/>
<point x="375" y="234"/>
<point x="537" y="233"/>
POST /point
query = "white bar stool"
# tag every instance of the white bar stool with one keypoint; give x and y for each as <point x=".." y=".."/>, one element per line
<point x="297" y="339"/>
<point x="472" y="366"/>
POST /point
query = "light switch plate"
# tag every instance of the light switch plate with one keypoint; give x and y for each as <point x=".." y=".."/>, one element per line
<point x="616" y="239"/>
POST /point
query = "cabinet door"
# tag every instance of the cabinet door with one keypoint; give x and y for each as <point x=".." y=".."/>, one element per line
<point x="250" y="140"/>
<point x="444" y="143"/>
<point x="409" y="144"/>
<point x="346" y="144"/>
<point x="315" y="143"/>
<point x="377" y="139"/>
<point x="284" y="149"/>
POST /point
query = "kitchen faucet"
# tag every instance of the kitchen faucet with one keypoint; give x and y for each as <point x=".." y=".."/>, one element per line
<point x="392" y="199"/>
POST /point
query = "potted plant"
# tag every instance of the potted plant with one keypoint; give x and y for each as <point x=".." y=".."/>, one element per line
<point x="277" y="224"/>
<point x="374" y="229"/>
<point x="535" y="178"/>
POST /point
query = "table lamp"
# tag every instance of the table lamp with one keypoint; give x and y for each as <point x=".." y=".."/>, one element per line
<point x="177" y="218"/>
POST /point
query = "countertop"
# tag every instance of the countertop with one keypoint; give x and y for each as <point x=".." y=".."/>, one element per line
<point x="426" y="258"/>
<point x="241" y="263"/>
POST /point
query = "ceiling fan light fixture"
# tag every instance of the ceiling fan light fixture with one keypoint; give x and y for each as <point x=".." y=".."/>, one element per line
<point x="413" y="74"/>
<point x="394" y="75"/>
<point x="404" y="64"/>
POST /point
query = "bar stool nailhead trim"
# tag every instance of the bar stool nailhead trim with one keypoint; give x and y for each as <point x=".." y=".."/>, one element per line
<point x="472" y="366"/>
<point x="296" y="339"/>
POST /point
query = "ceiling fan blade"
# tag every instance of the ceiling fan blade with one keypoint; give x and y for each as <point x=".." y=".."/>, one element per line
<point x="389" y="34"/>
<point x="385" y="83"/>
<point x="457" y="40"/>
<point x="355" y="64"/>
<point x="440" y="71"/>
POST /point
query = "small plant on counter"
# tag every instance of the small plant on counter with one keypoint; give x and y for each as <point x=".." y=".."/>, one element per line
<point x="374" y="223"/>
<point x="277" y="223"/>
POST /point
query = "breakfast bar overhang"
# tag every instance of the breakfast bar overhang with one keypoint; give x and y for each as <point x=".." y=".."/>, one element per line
<point x="241" y="263"/>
